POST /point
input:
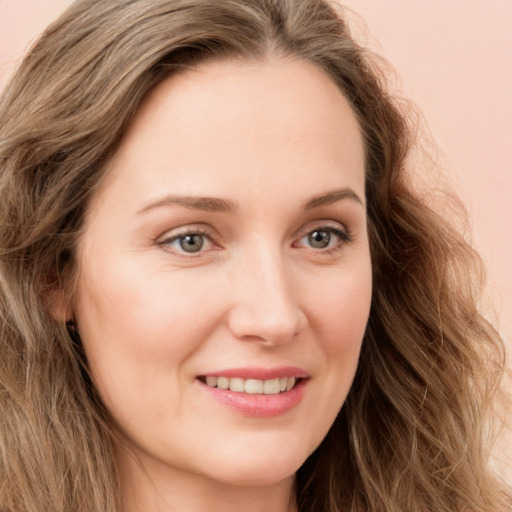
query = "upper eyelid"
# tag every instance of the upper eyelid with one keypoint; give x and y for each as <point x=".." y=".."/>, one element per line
<point x="165" y="242"/>
<point x="321" y="224"/>
<point x="343" y="235"/>
<point x="185" y="230"/>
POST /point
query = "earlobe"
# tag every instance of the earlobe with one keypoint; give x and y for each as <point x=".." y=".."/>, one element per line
<point x="59" y="309"/>
<point x="56" y="301"/>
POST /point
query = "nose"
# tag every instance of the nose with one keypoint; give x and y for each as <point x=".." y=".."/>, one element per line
<point x="266" y="306"/>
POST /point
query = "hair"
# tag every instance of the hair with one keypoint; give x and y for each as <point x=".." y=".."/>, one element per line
<point x="412" y="434"/>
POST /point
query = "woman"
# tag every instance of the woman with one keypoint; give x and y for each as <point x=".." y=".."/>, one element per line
<point x="219" y="289"/>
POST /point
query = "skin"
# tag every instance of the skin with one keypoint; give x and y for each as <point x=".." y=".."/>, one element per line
<point x="267" y="136"/>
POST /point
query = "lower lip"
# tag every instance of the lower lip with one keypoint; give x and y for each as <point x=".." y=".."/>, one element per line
<point x="258" y="405"/>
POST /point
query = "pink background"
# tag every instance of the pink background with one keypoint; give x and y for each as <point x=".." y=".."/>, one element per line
<point x="454" y="59"/>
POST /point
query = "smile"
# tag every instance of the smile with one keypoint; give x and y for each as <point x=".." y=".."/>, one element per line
<point x="251" y="386"/>
<point x="257" y="392"/>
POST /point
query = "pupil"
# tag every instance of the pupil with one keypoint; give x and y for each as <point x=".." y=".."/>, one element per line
<point x="191" y="243"/>
<point x="320" y="239"/>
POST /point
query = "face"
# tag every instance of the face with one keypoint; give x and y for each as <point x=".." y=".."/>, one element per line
<point x="225" y="275"/>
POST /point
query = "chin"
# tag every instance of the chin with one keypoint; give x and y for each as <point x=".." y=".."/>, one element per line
<point x="262" y="469"/>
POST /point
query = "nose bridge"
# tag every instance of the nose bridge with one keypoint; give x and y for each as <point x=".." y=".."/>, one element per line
<point x="265" y="305"/>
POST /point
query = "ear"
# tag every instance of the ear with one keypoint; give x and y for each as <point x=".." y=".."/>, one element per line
<point x="59" y="309"/>
<point x="56" y="300"/>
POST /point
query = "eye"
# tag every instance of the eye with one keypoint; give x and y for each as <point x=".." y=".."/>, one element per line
<point x="319" y="239"/>
<point x="325" y="238"/>
<point x="191" y="242"/>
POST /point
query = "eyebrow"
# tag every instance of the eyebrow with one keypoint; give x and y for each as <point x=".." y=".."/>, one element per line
<point x="206" y="204"/>
<point x="333" y="197"/>
<point x="215" y="204"/>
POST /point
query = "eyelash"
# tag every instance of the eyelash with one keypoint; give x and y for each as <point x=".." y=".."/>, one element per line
<point x="181" y="236"/>
<point x="343" y="235"/>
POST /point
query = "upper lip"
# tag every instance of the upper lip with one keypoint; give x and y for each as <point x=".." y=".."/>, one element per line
<point x="259" y="373"/>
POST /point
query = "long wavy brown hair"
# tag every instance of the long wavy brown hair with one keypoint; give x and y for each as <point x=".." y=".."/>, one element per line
<point x="412" y="435"/>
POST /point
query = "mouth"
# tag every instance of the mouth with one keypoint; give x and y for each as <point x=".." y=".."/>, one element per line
<point x="255" y="391"/>
<point x="273" y="386"/>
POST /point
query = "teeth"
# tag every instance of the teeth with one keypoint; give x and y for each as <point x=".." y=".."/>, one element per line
<point x="271" y="387"/>
<point x="222" y="382"/>
<point x="211" y="381"/>
<point x="237" y="385"/>
<point x="252" y="386"/>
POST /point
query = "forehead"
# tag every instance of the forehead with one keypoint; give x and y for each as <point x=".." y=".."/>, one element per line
<point x="262" y="123"/>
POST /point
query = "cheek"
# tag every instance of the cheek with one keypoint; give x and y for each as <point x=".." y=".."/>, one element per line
<point x="135" y="328"/>
<point x="128" y="302"/>
<point x="341" y="311"/>
<point x="139" y="335"/>
<point x="338" y="315"/>
<point x="341" y="318"/>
